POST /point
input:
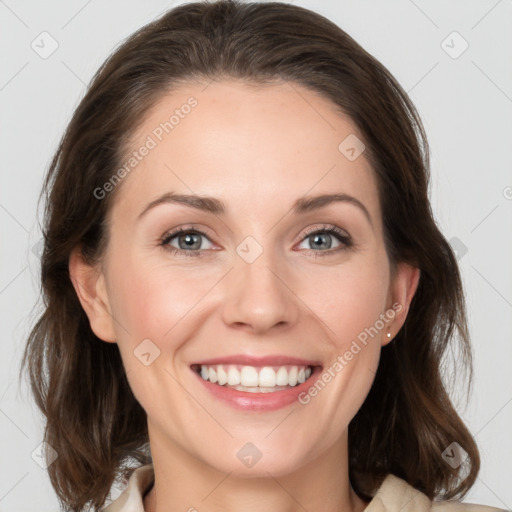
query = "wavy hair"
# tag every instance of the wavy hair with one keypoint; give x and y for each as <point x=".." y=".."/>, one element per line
<point x="92" y="418"/>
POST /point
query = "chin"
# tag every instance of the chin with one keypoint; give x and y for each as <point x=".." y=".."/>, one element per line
<point x="252" y="462"/>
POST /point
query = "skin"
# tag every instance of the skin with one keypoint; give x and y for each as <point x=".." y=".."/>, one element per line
<point x="257" y="150"/>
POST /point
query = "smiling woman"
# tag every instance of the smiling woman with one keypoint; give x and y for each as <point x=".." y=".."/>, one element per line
<point x="257" y="309"/>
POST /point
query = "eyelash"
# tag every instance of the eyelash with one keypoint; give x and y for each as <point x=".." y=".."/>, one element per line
<point x="340" y="235"/>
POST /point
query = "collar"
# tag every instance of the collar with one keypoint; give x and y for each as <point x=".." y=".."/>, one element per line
<point x="394" y="494"/>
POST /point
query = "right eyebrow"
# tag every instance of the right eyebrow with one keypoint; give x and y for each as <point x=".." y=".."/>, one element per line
<point x="205" y="203"/>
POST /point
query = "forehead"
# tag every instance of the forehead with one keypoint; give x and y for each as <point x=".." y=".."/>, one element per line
<point x="247" y="145"/>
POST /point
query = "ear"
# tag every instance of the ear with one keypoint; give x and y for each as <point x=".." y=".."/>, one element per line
<point x="402" y="291"/>
<point x="89" y="284"/>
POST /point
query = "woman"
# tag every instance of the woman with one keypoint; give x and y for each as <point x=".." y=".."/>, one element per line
<point x="194" y="322"/>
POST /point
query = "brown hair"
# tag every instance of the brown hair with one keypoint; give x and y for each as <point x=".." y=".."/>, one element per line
<point x="93" y="420"/>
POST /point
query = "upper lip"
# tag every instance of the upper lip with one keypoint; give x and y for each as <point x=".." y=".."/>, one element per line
<point x="270" y="360"/>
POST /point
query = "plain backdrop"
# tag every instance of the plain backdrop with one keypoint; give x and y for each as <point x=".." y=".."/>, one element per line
<point x="453" y="58"/>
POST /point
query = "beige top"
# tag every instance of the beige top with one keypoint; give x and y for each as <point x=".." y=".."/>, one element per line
<point x="394" y="495"/>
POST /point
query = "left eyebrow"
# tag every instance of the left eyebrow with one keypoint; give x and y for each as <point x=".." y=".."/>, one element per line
<point x="216" y="206"/>
<point x="307" y="204"/>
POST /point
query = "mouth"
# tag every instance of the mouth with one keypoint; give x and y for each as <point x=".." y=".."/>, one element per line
<point x="254" y="379"/>
<point x="257" y="386"/>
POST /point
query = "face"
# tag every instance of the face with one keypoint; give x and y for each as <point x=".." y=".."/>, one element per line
<point x="253" y="277"/>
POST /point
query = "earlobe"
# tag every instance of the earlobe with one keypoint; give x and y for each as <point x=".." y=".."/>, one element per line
<point x="403" y="290"/>
<point x="89" y="284"/>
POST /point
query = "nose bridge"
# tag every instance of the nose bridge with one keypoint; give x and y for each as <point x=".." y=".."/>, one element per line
<point x="257" y="295"/>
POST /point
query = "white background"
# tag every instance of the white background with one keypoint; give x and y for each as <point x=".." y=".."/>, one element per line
<point x="465" y="104"/>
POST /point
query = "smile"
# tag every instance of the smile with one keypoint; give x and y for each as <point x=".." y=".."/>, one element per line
<point x="253" y="379"/>
<point x="262" y="384"/>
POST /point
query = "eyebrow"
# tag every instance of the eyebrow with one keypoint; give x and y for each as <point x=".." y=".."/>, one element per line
<point x="216" y="206"/>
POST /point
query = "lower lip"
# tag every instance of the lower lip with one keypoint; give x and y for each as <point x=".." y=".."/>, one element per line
<point x="259" y="401"/>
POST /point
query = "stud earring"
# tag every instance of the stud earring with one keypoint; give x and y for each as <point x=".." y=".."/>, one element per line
<point x="388" y="335"/>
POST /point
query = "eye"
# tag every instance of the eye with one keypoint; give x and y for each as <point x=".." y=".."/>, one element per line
<point x="325" y="237"/>
<point x="183" y="241"/>
<point x="189" y="241"/>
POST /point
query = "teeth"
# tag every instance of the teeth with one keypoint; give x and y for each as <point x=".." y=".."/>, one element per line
<point x="248" y="376"/>
<point x="222" y="376"/>
<point x="267" y="378"/>
<point x="292" y="376"/>
<point x="212" y="375"/>
<point x="233" y="376"/>
<point x="282" y="377"/>
<point x="256" y="380"/>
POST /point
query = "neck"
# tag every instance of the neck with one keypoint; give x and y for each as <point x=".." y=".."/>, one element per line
<point x="182" y="482"/>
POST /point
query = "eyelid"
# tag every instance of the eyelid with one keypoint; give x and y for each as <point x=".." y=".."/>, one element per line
<point x="171" y="233"/>
<point x="322" y="228"/>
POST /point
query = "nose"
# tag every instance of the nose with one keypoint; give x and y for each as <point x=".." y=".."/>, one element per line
<point x="258" y="297"/>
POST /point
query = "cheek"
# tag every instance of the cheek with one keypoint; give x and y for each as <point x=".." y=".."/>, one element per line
<point x="150" y="299"/>
<point x="349" y="299"/>
<point x="153" y="307"/>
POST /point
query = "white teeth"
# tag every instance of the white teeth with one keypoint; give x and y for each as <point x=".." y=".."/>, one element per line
<point x="212" y="375"/>
<point x="222" y="376"/>
<point x="256" y="379"/>
<point x="292" y="376"/>
<point x="233" y="376"/>
<point x="282" y="377"/>
<point x="267" y="377"/>
<point x="248" y="376"/>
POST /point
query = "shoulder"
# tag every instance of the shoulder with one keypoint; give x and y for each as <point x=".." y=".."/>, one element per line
<point x="456" y="506"/>
<point x="395" y="494"/>
<point x="131" y="498"/>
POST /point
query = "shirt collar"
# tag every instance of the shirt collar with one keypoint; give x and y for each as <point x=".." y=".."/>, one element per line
<point x="393" y="494"/>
